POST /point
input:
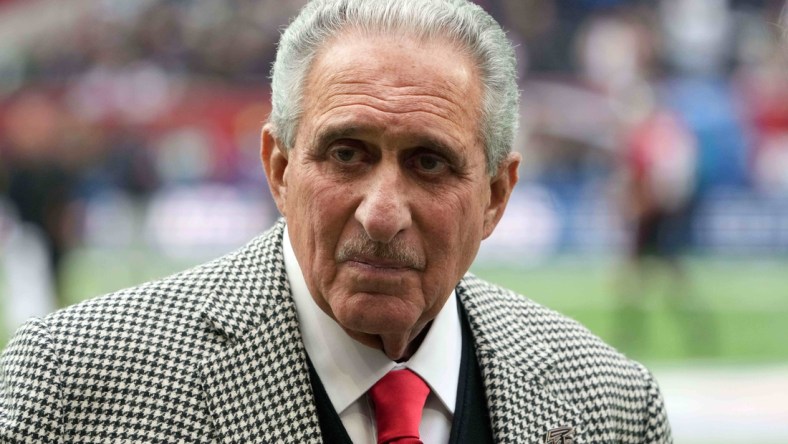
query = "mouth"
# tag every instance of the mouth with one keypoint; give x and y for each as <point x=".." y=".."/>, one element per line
<point x="374" y="256"/>
<point x="379" y="264"/>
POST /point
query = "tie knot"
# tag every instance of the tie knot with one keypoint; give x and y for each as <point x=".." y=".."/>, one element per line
<point x="399" y="399"/>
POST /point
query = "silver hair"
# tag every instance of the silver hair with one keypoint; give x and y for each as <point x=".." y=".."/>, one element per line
<point x="458" y="21"/>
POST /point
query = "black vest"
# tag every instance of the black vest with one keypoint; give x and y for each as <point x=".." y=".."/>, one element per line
<point x="471" y="422"/>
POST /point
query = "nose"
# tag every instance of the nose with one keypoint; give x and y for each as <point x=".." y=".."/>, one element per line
<point x="384" y="210"/>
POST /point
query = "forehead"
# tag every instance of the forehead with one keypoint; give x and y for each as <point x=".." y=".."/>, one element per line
<point x="395" y="83"/>
<point x="391" y="48"/>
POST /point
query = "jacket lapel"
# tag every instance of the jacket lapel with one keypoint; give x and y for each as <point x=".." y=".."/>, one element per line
<point x="256" y="380"/>
<point x="515" y="369"/>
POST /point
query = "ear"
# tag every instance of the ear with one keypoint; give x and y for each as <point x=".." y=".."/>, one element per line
<point x="501" y="186"/>
<point x="274" y="157"/>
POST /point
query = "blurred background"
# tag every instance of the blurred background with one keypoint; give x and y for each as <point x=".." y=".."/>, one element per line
<point x="653" y="204"/>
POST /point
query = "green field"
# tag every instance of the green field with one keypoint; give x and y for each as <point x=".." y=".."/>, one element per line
<point x="728" y="310"/>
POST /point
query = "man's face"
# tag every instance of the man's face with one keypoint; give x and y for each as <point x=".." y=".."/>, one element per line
<point x="386" y="192"/>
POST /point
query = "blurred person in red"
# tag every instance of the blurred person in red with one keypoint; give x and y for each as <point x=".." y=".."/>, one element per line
<point x="657" y="163"/>
<point x="389" y="153"/>
<point x="659" y="172"/>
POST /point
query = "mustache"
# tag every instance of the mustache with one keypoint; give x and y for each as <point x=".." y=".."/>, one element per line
<point x="360" y="247"/>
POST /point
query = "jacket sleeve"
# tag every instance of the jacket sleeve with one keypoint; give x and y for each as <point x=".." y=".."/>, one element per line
<point x="657" y="427"/>
<point x="30" y="388"/>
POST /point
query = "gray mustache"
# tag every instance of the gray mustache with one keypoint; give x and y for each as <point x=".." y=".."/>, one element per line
<point x="360" y="247"/>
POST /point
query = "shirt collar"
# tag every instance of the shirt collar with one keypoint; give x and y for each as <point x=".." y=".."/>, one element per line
<point x="348" y="368"/>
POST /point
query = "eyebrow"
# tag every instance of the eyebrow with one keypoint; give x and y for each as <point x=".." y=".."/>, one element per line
<point x="423" y="141"/>
<point x="335" y="132"/>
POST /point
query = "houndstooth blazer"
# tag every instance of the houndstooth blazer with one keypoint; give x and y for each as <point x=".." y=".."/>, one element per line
<point x="214" y="354"/>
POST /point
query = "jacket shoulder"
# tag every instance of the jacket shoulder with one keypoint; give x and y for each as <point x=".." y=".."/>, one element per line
<point x="514" y="314"/>
<point x="128" y="364"/>
<point x="113" y="357"/>
<point x="619" y="396"/>
<point x="172" y="299"/>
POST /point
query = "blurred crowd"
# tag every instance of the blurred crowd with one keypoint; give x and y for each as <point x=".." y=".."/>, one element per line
<point x="150" y="111"/>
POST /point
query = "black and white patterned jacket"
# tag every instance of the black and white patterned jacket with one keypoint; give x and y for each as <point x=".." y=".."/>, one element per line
<point x="214" y="354"/>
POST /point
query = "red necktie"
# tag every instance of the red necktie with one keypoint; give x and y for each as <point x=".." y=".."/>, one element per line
<point x="399" y="399"/>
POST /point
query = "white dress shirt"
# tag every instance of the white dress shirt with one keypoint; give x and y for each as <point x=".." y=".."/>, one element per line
<point x="348" y="368"/>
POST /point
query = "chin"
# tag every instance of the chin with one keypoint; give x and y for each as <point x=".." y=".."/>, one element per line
<point x="376" y="314"/>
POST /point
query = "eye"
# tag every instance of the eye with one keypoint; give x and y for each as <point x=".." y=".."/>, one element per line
<point x="347" y="153"/>
<point x="429" y="163"/>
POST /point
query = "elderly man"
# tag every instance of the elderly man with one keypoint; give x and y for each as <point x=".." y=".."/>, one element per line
<point x="388" y="151"/>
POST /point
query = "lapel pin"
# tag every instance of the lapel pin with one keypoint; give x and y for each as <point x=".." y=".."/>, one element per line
<point x="560" y="435"/>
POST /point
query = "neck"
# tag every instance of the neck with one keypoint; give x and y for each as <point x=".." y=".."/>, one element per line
<point x="398" y="347"/>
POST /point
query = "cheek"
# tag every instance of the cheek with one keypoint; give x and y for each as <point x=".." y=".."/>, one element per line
<point x="453" y="235"/>
<point x="318" y="212"/>
<point x="459" y="214"/>
<point x="311" y="200"/>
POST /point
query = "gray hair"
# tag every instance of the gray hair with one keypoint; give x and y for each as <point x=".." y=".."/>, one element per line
<point x="459" y="21"/>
